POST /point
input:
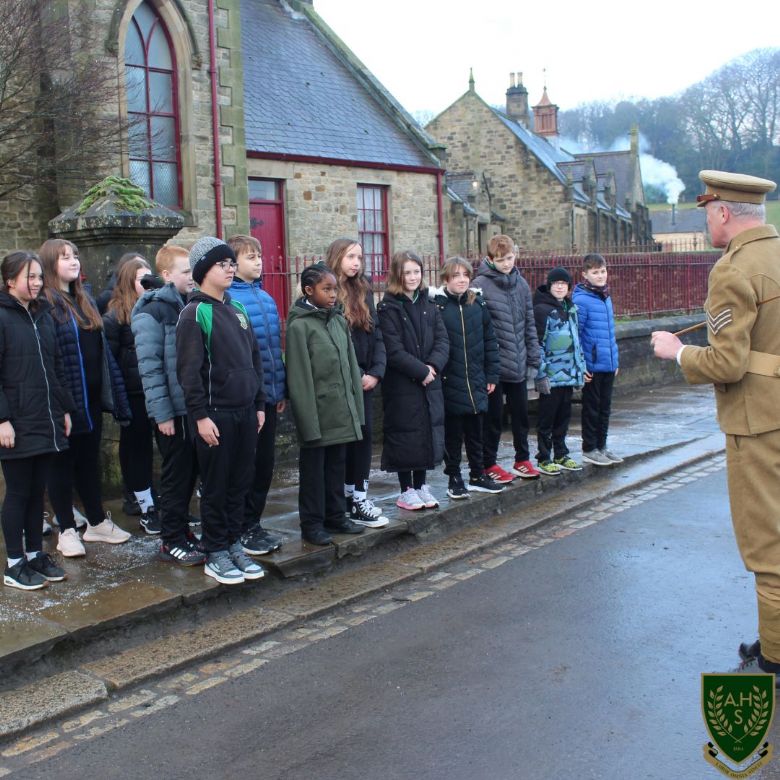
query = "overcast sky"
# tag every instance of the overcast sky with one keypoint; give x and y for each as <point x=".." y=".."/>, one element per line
<point x="421" y="50"/>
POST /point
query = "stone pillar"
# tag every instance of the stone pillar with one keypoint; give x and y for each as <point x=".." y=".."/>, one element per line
<point x="106" y="229"/>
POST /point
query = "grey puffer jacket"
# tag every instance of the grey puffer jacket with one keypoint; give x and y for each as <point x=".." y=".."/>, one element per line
<point x="508" y="298"/>
<point x="153" y="323"/>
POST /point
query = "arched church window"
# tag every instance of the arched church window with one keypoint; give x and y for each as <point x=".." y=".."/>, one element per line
<point x="152" y="108"/>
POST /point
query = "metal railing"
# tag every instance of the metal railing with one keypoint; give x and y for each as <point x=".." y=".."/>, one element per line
<point x="642" y="284"/>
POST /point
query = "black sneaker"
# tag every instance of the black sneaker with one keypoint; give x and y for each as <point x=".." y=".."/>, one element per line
<point x="348" y="500"/>
<point x="456" y="489"/>
<point x="257" y="541"/>
<point x="184" y="555"/>
<point x="484" y="484"/>
<point x="45" y="566"/>
<point x="21" y="576"/>
<point x="365" y="513"/>
<point x="194" y="542"/>
<point x="150" y="522"/>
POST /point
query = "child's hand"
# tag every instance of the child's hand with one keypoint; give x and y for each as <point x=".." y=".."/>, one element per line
<point x="369" y="382"/>
<point x="542" y="385"/>
<point x="7" y="434"/>
<point x="280" y="407"/>
<point x="167" y="427"/>
<point x="68" y="425"/>
<point x="490" y="388"/>
<point x="208" y="431"/>
<point x="260" y="420"/>
<point x="588" y="376"/>
<point x="431" y="376"/>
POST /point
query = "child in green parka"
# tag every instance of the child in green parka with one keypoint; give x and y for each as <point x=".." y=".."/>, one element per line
<point x="326" y="395"/>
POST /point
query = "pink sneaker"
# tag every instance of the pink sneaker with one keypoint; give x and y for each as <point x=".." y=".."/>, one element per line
<point x="525" y="469"/>
<point x="409" y="500"/>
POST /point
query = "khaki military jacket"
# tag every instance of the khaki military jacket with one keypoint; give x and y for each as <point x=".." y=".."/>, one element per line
<point x="743" y="332"/>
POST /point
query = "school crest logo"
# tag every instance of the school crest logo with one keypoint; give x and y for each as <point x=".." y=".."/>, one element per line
<point x="738" y="711"/>
<point x="242" y="319"/>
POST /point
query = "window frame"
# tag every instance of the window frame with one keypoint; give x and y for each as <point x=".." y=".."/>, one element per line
<point x="370" y="258"/>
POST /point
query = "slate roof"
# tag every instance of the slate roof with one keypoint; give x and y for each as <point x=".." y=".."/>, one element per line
<point x="455" y="198"/>
<point x="686" y="221"/>
<point x="619" y="163"/>
<point x="302" y="99"/>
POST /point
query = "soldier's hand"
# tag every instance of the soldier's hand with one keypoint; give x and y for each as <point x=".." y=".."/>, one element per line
<point x="665" y="345"/>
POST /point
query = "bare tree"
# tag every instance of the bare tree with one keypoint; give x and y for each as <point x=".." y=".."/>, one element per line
<point x="59" y="118"/>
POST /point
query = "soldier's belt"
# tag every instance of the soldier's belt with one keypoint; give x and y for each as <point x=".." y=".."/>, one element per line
<point x="763" y="363"/>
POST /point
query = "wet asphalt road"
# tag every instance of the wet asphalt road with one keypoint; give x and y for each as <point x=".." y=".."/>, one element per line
<point x="581" y="658"/>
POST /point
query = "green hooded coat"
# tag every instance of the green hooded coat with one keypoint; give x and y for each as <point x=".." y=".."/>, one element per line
<point x="323" y="377"/>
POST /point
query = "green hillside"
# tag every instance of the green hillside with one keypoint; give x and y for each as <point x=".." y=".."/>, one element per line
<point x="772" y="210"/>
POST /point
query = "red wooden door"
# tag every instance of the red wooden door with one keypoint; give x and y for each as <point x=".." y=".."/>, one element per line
<point x="266" y="221"/>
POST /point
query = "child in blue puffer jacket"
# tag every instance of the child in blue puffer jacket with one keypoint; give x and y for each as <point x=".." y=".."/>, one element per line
<point x="561" y="370"/>
<point x="599" y="345"/>
<point x="247" y="288"/>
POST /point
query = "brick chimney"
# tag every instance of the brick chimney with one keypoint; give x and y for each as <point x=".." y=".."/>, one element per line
<point x="546" y="117"/>
<point x="517" y="100"/>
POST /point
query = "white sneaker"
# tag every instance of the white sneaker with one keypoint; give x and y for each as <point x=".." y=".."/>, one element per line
<point x="611" y="456"/>
<point x="69" y="544"/>
<point x="427" y="497"/>
<point x="106" y="531"/>
<point x="365" y="513"/>
<point x="81" y="521"/>
<point x="409" y="500"/>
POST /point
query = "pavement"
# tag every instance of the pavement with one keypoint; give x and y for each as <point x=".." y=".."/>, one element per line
<point x="118" y="619"/>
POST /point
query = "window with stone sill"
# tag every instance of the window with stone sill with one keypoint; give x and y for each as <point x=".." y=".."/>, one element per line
<point x="154" y="147"/>
<point x="372" y="228"/>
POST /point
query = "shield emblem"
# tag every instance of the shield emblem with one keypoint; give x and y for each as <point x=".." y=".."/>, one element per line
<point x="738" y="711"/>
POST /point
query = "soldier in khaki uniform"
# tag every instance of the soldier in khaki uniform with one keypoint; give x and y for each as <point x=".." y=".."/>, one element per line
<point x="743" y="362"/>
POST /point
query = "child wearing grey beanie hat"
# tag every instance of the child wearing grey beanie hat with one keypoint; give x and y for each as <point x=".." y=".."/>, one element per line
<point x="205" y="253"/>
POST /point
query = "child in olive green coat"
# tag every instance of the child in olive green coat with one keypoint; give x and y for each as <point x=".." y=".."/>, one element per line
<point x="326" y="395"/>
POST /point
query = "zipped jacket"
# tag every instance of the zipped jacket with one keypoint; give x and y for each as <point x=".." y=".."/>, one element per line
<point x="556" y="322"/>
<point x="33" y="396"/>
<point x="597" y="329"/>
<point x="264" y="317"/>
<point x="217" y="359"/>
<point x="153" y="322"/>
<point x="473" y="361"/>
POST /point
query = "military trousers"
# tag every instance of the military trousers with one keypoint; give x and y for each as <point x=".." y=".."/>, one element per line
<point x="753" y="464"/>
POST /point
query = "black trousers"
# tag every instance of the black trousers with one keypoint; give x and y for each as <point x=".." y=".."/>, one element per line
<point x="596" y="407"/>
<point x="25" y="483"/>
<point x="516" y="394"/>
<point x="79" y="467"/>
<point x="225" y="475"/>
<point x="136" y="450"/>
<point x="359" y="452"/>
<point x="178" y="472"/>
<point x="254" y="506"/>
<point x="415" y="479"/>
<point x="554" y="412"/>
<point x="321" y="486"/>
<point x="460" y="428"/>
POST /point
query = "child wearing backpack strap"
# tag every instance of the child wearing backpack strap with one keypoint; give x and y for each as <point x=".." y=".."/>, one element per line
<point x="221" y="373"/>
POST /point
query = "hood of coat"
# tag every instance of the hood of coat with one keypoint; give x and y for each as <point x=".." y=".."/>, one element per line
<point x="167" y="293"/>
<point x="543" y="295"/>
<point x="443" y="292"/>
<point x="198" y="296"/>
<point x="240" y="284"/>
<point x="505" y="281"/>
<point x="303" y="308"/>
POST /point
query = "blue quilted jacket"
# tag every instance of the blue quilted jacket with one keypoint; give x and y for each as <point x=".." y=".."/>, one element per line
<point x="264" y="316"/>
<point x="597" y="330"/>
<point x="113" y="395"/>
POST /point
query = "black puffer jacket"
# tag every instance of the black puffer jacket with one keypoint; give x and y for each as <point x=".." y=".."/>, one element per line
<point x="473" y="362"/>
<point x="508" y="298"/>
<point x="33" y="395"/>
<point x="413" y="414"/>
<point x="121" y="342"/>
<point x="369" y="345"/>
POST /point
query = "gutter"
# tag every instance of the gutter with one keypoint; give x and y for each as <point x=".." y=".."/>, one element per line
<point x="215" y="120"/>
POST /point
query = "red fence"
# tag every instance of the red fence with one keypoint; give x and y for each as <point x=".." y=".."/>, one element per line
<point x="643" y="284"/>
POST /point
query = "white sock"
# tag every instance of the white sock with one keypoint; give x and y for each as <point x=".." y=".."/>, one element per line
<point x="13" y="561"/>
<point x="348" y="490"/>
<point x="31" y="555"/>
<point x="360" y="495"/>
<point x="144" y="499"/>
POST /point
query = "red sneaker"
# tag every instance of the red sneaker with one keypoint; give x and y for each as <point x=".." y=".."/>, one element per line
<point x="497" y="474"/>
<point x="525" y="469"/>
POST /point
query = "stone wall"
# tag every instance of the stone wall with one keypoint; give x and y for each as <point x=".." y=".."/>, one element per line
<point x="532" y="200"/>
<point x="321" y="204"/>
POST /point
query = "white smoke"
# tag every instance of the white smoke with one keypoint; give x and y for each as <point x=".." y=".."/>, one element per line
<point x="662" y="175"/>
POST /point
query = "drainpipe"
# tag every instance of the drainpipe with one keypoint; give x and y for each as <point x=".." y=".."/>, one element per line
<point x="215" y="120"/>
<point x="440" y="214"/>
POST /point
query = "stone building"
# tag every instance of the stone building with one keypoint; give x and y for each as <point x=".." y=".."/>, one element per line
<point x="251" y="116"/>
<point x="522" y="182"/>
